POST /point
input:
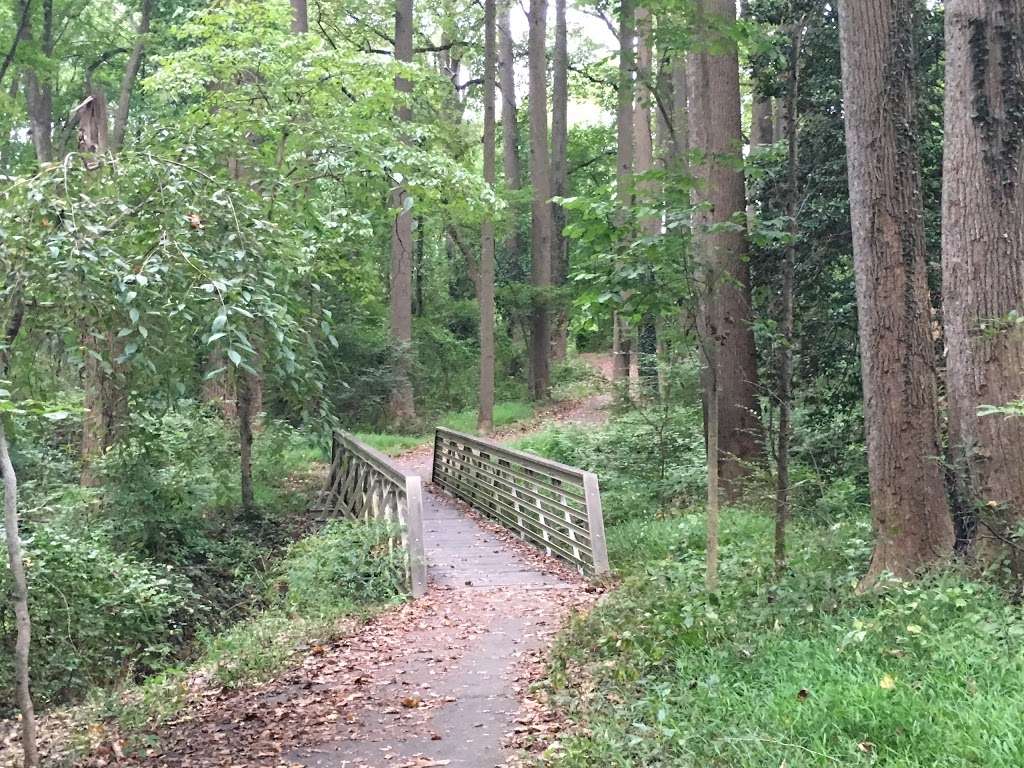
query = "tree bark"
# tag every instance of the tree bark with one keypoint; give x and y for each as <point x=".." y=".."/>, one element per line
<point x="300" y="17"/>
<point x="402" y="408"/>
<point x="543" y="226"/>
<point x="560" y="174"/>
<point x="39" y="93"/>
<point x="983" y="266"/>
<point x="621" y="342"/>
<point x="711" y="574"/>
<point x="910" y="511"/>
<point x="19" y="599"/>
<point x="648" y="190"/>
<point x="244" y="382"/>
<point x="785" y="356"/>
<point x="131" y="73"/>
<point x="485" y="283"/>
<point x="509" y="124"/>
<point x="103" y="398"/>
<point x="762" y="123"/>
<point x="716" y="132"/>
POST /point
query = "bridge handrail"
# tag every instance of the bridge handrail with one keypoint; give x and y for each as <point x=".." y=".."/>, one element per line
<point x="553" y="506"/>
<point x="364" y="483"/>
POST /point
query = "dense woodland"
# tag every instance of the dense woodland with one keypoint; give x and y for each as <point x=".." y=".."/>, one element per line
<point x="797" y="227"/>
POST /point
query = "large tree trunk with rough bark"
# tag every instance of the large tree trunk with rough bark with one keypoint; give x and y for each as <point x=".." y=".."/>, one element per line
<point x="715" y="131"/>
<point x="910" y="511"/>
<point x="485" y="282"/>
<point x="983" y="266"/>
<point x="621" y="340"/>
<point x="402" y="409"/>
<point x="542" y="236"/>
<point x="560" y="174"/>
<point x="19" y="598"/>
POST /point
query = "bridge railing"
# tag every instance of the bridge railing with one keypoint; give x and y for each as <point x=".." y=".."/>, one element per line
<point x="364" y="484"/>
<point x="551" y="505"/>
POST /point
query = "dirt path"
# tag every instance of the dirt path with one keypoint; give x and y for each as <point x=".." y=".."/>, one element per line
<point x="437" y="682"/>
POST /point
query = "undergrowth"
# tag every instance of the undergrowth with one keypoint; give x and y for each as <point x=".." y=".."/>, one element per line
<point x="322" y="586"/>
<point x="799" y="671"/>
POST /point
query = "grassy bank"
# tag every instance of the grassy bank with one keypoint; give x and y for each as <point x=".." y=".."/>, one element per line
<point x="798" y="671"/>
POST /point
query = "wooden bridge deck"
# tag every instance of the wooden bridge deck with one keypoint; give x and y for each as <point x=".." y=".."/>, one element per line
<point x="447" y="694"/>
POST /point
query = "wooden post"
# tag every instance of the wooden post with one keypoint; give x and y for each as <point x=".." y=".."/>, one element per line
<point x="595" y="518"/>
<point x="414" y="535"/>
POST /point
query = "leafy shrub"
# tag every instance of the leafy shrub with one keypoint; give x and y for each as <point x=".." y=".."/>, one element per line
<point x="346" y="565"/>
<point x="97" y="614"/>
<point x="164" y="477"/>
<point x="647" y="461"/>
<point x="346" y="568"/>
<point x="573" y="378"/>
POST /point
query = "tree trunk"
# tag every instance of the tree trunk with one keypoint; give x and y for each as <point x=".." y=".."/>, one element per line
<point x="104" y="400"/>
<point x="680" y="115"/>
<point x="244" y="393"/>
<point x="131" y="72"/>
<point x="509" y="125"/>
<point x="402" y="409"/>
<point x="715" y="131"/>
<point x="485" y="283"/>
<point x="785" y="357"/>
<point x="560" y="174"/>
<point x="910" y="511"/>
<point x="762" y="123"/>
<point x="711" y="361"/>
<point x="543" y="226"/>
<point x="19" y="599"/>
<point x="649" y="191"/>
<point x="39" y="93"/>
<point x="983" y="266"/>
<point x="621" y="345"/>
<point x="300" y="17"/>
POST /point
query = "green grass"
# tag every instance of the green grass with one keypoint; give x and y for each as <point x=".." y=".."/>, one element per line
<point x="802" y="673"/>
<point x="799" y="671"/>
<point x="461" y="421"/>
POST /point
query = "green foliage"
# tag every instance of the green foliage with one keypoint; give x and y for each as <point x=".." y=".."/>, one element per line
<point x="345" y="569"/>
<point x="162" y="480"/>
<point x="344" y="565"/>
<point x="646" y="461"/>
<point x="574" y="379"/>
<point x="98" y="615"/>
<point x="505" y="413"/>
<point x="802" y="672"/>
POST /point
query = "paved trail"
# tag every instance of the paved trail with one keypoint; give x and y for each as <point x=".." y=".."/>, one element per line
<point x="436" y="682"/>
<point x="450" y="696"/>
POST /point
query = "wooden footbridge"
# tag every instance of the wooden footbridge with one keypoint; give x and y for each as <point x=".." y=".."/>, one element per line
<point x="555" y="507"/>
<point x="485" y="609"/>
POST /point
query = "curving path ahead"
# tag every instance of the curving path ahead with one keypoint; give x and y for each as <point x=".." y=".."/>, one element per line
<point x="448" y="695"/>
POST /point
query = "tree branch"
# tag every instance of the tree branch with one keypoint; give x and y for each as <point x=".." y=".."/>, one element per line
<point x="22" y="25"/>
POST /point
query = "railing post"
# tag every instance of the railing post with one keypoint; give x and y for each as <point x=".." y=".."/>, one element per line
<point x="414" y="533"/>
<point x="595" y="518"/>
